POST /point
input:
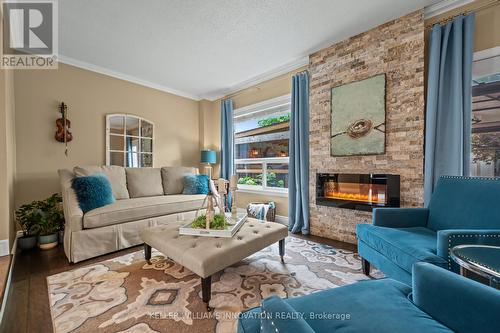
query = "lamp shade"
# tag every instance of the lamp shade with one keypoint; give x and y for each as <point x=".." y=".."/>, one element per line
<point x="208" y="156"/>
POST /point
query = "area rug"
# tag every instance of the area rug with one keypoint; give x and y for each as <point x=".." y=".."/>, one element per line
<point x="126" y="294"/>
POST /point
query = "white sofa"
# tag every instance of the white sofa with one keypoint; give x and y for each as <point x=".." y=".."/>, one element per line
<point x="144" y="197"/>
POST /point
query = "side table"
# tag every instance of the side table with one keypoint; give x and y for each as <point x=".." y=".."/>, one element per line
<point x="480" y="259"/>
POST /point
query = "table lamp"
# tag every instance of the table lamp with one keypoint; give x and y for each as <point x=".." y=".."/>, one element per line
<point x="208" y="157"/>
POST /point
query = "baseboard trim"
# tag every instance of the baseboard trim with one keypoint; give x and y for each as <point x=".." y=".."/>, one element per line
<point x="282" y="219"/>
<point x="4" y="247"/>
<point x="9" y="275"/>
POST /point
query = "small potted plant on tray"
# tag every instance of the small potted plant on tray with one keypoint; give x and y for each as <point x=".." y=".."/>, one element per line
<point x="218" y="222"/>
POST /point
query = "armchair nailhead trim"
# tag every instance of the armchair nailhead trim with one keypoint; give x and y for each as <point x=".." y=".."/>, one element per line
<point x="276" y="329"/>
<point x="471" y="178"/>
<point x="465" y="236"/>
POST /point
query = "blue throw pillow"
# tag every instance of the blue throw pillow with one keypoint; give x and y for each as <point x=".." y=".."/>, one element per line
<point x="195" y="184"/>
<point x="93" y="191"/>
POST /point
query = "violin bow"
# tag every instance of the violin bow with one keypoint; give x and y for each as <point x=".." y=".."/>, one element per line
<point x="64" y="111"/>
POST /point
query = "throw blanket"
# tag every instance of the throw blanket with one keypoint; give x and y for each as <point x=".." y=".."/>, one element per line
<point x="259" y="211"/>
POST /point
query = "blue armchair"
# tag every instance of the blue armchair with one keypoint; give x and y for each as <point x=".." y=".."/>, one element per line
<point x="384" y="305"/>
<point x="462" y="210"/>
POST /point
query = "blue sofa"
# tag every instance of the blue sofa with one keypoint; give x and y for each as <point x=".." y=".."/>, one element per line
<point x="462" y="210"/>
<point x="384" y="306"/>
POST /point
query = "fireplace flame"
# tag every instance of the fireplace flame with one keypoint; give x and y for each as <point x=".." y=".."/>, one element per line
<point x="353" y="196"/>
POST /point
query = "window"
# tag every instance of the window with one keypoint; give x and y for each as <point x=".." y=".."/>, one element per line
<point x="485" y="157"/>
<point x="262" y="132"/>
<point x="129" y="141"/>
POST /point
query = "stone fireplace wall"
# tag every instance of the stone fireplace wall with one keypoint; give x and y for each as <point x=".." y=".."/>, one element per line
<point x="395" y="48"/>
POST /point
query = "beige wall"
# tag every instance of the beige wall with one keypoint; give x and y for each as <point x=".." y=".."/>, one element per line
<point x="487" y="33"/>
<point x="210" y="120"/>
<point x="90" y="96"/>
<point x="210" y="130"/>
<point x="7" y="156"/>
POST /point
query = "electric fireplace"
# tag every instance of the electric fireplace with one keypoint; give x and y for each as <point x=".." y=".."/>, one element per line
<point x="357" y="191"/>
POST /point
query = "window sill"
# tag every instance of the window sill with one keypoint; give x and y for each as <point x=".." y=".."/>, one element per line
<point x="265" y="192"/>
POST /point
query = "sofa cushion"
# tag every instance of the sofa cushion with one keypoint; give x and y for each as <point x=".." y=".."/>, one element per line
<point x="115" y="174"/>
<point x="403" y="246"/>
<point x="173" y="178"/>
<point x="93" y="191"/>
<point x="141" y="208"/>
<point x="377" y="306"/>
<point x="144" y="182"/>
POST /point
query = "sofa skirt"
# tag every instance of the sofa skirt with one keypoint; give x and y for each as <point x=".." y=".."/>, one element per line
<point x="88" y="243"/>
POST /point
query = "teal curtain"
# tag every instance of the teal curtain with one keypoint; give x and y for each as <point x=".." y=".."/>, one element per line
<point x="227" y="139"/>
<point x="129" y="155"/>
<point x="449" y="101"/>
<point x="298" y="174"/>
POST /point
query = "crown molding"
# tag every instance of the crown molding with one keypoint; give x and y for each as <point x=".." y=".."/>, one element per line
<point x="443" y="7"/>
<point x="271" y="74"/>
<point x="125" y="77"/>
<point x="212" y="96"/>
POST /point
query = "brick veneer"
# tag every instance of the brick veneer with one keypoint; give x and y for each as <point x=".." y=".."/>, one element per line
<point x="395" y="48"/>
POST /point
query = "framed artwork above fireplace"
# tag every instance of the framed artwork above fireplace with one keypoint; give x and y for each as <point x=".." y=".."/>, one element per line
<point x="358" y="118"/>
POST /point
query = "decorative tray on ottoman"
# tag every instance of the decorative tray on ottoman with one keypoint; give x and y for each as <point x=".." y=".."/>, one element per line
<point x="233" y="225"/>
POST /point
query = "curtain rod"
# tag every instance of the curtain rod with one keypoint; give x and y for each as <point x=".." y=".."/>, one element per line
<point x="257" y="86"/>
<point x="249" y="89"/>
<point x="465" y="12"/>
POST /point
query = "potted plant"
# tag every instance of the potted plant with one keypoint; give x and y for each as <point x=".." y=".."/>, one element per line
<point x="28" y="216"/>
<point x="55" y="212"/>
<point x="50" y="223"/>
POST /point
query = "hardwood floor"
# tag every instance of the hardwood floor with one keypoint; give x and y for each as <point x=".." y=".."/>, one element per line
<point x="28" y="308"/>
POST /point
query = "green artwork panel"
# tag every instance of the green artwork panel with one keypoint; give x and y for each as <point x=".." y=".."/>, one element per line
<point x="358" y="118"/>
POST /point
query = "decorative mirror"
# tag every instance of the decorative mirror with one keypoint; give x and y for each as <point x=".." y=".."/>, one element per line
<point x="129" y="141"/>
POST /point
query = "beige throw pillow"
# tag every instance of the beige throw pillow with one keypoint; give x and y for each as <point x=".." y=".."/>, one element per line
<point x="115" y="174"/>
<point x="173" y="178"/>
<point x="144" y="182"/>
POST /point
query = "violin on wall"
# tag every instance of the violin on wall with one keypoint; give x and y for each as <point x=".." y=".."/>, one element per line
<point x="63" y="124"/>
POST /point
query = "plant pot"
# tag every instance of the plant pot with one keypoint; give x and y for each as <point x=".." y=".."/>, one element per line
<point x="61" y="236"/>
<point x="46" y="242"/>
<point x="26" y="243"/>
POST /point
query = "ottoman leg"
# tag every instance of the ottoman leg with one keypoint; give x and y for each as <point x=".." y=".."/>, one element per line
<point x="147" y="252"/>
<point x="365" y="266"/>
<point x="206" y="289"/>
<point x="282" y="249"/>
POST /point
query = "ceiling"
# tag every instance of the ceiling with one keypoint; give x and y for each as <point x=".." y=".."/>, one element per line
<point x="205" y="49"/>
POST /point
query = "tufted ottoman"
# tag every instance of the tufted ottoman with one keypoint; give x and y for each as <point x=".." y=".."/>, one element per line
<point x="208" y="255"/>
